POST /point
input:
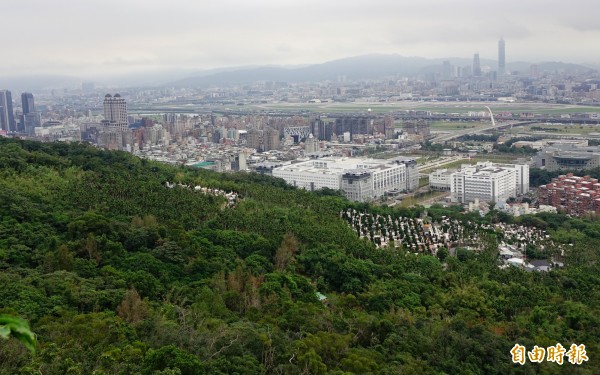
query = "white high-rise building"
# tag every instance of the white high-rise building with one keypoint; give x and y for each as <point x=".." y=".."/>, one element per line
<point x="489" y="182"/>
<point x="522" y="171"/>
<point x="115" y="111"/>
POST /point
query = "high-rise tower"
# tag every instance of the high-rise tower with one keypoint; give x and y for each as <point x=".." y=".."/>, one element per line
<point x="476" y="65"/>
<point x="501" y="57"/>
<point x="27" y="103"/>
<point x="7" y="116"/>
<point x="30" y="119"/>
<point x="115" y="111"/>
<point x="446" y="70"/>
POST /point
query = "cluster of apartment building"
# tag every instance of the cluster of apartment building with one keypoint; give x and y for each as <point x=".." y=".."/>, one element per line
<point x="358" y="129"/>
<point x="571" y="194"/>
<point x="485" y="182"/>
<point x="361" y="179"/>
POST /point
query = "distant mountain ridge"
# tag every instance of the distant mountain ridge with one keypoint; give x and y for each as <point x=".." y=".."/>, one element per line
<point x="355" y="68"/>
<point x="35" y="82"/>
<point x="375" y="66"/>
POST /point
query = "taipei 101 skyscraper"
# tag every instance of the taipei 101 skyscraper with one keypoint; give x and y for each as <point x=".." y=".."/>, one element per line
<point x="501" y="58"/>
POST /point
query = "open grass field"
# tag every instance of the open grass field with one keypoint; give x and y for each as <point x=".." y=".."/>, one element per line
<point x="495" y="158"/>
<point x="454" y="125"/>
<point x="422" y="198"/>
<point x="437" y="107"/>
<point x="541" y="129"/>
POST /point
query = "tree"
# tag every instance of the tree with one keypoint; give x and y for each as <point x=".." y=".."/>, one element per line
<point x="286" y="251"/>
<point x="171" y="357"/>
<point x="442" y="254"/>
<point x="132" y="309"/>
<point x="65" y="258"/>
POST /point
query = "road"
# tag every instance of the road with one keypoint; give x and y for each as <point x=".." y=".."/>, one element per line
<point x="459" y="133"/>
<point x="438" y="162"/>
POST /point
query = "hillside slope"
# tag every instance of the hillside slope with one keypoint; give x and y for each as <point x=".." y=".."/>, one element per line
<point x="119" y="274"/>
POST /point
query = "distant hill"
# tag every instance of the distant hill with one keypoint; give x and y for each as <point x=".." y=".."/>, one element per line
<point x="354" y="68"/>
<point x="551" y="66"/>
<point x="39" y="82"/>
<point x="375" y="66"/>
<point x="360" y="67"/>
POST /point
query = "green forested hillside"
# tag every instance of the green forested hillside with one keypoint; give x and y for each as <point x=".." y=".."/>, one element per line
<point x="119" y="274"/>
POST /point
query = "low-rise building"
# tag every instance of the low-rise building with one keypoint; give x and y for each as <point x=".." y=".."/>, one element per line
<point x="568" y="156"/>
<point x="440" y="180"/>
<point x="536" y="145"/>
<point x="571" y="194"/>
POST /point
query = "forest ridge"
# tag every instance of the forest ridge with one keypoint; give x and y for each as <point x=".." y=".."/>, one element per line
<point x="118" y="274"/>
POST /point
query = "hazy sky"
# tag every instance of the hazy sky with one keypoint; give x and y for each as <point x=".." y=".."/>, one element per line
<point x="90" y="37"/>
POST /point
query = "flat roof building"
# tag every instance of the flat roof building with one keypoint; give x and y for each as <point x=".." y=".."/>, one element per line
<point x="568" y="156"/>
<point x="440" y="180"/>
<point x="489" y="182"/>
<point x="361" y="179"/>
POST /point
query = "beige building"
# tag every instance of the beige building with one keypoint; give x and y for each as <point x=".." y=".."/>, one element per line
<point x="115" y="111"/>
<point x="263" y="140"/>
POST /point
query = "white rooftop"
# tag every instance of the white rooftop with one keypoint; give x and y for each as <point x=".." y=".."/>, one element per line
<point x="336" y="166"/>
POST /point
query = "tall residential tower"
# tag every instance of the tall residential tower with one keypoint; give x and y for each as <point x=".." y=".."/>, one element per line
<point x="115" y="111"/>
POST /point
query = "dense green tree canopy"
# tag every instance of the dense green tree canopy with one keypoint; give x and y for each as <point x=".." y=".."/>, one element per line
<point x="119" y="274"/>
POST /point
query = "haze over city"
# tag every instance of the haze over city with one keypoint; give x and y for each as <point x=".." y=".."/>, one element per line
<point x="267" y="187"/>
<point x="108" y="38"/>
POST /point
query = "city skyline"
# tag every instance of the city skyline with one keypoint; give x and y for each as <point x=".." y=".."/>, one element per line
<point x="151" y="35"/>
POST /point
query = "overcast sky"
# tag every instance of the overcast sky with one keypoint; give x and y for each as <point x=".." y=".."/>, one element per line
<point x="91" y="37"/>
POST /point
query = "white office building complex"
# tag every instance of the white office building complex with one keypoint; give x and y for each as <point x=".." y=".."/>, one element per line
<point x="360" y="179"/>
<point x="489" y="182"/>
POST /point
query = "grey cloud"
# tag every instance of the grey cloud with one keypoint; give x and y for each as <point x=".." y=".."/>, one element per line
<point x="103" y="36"/>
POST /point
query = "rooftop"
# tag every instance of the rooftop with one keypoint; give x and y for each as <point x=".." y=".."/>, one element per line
<point x="337" y="166"/>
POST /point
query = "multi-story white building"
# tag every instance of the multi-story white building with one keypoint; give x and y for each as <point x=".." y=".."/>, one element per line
<point x="361" y="179"/>
<point x="440" y="180"/>
<point x="522" y="171"/>
<point x="489" y="182"/>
